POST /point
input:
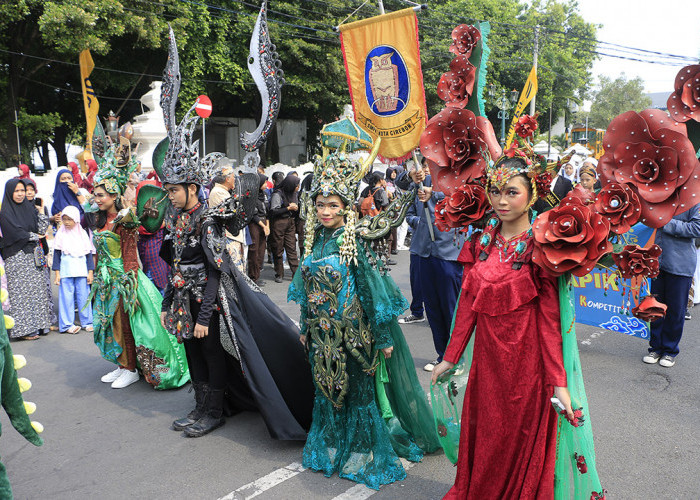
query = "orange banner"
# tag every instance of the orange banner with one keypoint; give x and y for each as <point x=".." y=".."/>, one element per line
<point x="382" y="62"/>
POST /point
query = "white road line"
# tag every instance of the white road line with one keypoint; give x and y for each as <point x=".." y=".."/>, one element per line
<point x="361" y="492"/>
<point x="251" y="490"/>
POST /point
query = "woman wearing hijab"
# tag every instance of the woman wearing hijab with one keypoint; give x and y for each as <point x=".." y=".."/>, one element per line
<point x="31" y="190"/>
<point x="283" y="208"/>
<point x="66" y="192"/>
<point x="25" y="263"/>
<point x="23" y="171"/>
<point x="259" y="228"/>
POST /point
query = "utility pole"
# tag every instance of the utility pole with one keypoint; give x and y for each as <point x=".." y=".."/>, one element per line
<point x="381" y="7"/>
<point x="534" y="64"/>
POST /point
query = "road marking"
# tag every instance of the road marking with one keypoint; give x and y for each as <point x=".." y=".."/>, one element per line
<point x="361" y="492"/>
<point x="251" y="490"/>
<point x="592" y="337"/>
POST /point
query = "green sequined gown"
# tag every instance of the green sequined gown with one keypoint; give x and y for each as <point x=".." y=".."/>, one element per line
<point x="161" y="359"/>
<point x="367" y="411"/>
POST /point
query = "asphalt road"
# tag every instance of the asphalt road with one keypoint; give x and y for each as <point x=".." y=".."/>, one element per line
<point x="115" y="444"/>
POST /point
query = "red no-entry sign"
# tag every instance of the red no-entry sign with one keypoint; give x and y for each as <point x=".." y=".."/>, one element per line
<point x="203" y="107"/>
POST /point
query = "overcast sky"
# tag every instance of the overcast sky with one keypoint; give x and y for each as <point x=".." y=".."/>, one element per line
<point x="670" y="26"/>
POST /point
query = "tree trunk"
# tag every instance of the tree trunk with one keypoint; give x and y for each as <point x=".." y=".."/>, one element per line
<point x="44" y="155"/>
<point x="59" y="145"/>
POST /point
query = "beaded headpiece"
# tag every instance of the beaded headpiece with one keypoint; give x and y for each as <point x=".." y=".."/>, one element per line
<point x="115" y="167"/>
<point x="335" y="173"/>
<point x="533" y="165"/>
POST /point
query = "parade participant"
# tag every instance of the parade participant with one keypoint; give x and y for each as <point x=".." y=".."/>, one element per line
<point x="251" y="335"/>
<point x="66" y="192"/>
<point x="22" y="226"/>
<point x="283" y="207"/>
<point x="149" y="244"/>
<point x="74" y="264"/>
<point x="562" y="183"/>
<point x="126" y="304"/>
<point x="259" y="228"/>
<point x="369" y="407"/>
<point x="514" y="305"/>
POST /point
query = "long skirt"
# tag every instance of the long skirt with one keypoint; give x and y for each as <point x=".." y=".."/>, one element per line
<point x="29" y="302"/>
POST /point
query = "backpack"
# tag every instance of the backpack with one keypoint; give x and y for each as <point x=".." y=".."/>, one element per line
<point x="368" y="207"/>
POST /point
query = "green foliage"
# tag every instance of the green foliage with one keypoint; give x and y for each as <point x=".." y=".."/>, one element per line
<point x="615" y="97"/>
<point x="38" y="128"/>
<point x="128" y="41"/>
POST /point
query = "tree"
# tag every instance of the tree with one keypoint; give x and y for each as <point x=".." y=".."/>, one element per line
<point x="615" y="97"/>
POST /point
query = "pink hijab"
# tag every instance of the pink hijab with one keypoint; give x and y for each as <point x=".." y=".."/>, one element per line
<point x="74" y="242"/>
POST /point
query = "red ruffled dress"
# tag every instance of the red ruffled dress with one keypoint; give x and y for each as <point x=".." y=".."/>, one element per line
<point x="507" y="446"/>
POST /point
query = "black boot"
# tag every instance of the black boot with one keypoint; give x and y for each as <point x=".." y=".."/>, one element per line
<point x="213" y="417"/>
<point x="201" y="390"/>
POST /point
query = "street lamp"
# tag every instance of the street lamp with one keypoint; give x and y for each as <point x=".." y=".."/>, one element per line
<point x="503" y="104"/>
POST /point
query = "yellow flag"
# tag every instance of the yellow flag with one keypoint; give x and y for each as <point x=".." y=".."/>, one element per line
<point x="529" y="91"/>
<point x="92" y="106"/>
<point x="382" y="62"/>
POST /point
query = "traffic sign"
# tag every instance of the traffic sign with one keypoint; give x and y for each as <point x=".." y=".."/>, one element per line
<point x="203" y="106"/>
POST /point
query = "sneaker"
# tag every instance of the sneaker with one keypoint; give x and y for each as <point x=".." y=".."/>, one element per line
<point x="667" y="361"/>
<point x="278" y="279"/>
<point x="688" y="316"/>
<point x="651" y="358"/>
<point x="429" y="366"/>
<point x="391" y="262"/>
<point x="125" y="379"/>
<point x="407" y="320"/>
<point x="112" y="376"/>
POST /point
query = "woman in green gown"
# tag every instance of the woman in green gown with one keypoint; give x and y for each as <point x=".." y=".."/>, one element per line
<point x="369" y="408"/>
<point x="126" y="305"/>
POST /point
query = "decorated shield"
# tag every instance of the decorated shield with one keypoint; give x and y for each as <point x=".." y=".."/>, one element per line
<point x="151" y="205"/>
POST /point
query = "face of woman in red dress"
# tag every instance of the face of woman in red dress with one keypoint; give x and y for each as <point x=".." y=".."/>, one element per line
<point x="512" y="201"/>
<point x="330" y="210"/>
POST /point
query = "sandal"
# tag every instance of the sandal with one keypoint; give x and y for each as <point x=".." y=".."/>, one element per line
<point x="89" y="328"/>
<point x="30" y="337"/>
<point x="73" y="329"/>
<point x="53" y="328"/>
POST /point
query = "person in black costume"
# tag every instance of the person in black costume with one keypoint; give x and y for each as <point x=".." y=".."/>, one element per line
<point x="189" y="311"/>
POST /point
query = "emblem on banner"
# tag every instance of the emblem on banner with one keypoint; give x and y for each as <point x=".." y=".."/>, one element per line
<point x="386" y="81"/>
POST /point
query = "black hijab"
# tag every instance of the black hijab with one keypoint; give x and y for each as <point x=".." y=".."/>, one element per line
<point x="17" y="221"/>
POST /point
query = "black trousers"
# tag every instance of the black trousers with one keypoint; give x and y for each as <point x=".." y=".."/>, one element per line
<point x="206" y="357"/>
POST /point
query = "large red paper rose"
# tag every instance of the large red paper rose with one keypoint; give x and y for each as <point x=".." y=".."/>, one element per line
<point x="620" y="205"/>
<point x="634" y="261"/>
<point x="649" y="309"/>
<point x="684" y="103"/>
<point x="455" y="87"/>
<point x="526" y="125"/>
<point x="653" y="156"/>
<point x="465" y="206"/>
<point x="464" y="39"/>
<point x="454" y="142"/>
<point x="570" y="237"/>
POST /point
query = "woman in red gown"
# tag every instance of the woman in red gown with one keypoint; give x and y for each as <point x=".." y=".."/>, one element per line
<point x="507" y="446"/>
